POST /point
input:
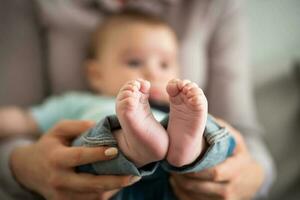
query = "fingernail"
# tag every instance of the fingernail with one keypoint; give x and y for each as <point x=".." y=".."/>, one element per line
<point x="135" y="179"/>
<point x="112" y="151"/>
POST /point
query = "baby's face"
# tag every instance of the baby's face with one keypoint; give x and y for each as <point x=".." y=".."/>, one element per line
<point x="138" y="51"/>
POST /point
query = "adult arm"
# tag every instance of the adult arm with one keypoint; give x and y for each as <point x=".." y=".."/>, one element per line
<point x="230" y="97"/>
<point x="8" y="182"/>
<point x="47" y="166"/>
<point x="238" y="177"/>
<point x="16" y="121"/>
<point x="230" y="92"/>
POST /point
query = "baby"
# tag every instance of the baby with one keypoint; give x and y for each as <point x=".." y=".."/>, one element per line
<point x="133" y="58"/>
<point x="131" y="47"/>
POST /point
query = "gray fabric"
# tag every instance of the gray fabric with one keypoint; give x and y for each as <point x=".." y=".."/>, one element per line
<point x="21" y="72"/>
<point x="220" y="146"/>
<point x="8" y="184"/>
<point x="102" y="135"/>
<point x="213" y="53"/>
<point x="3" y="195"/>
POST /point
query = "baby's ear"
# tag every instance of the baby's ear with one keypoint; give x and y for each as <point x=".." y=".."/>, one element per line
<point x="93" y="73"/>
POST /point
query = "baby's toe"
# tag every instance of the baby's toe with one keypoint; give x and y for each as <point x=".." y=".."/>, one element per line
<point x="129" y="90"/>
<point x="183" y="83"/>
<point x="187" y="87"/>
<point x="144" y="86"/>
<point x="173" y="87"/>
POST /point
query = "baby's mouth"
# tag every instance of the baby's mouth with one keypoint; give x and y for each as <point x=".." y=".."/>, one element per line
<point x="156" y="100"/>
<point x="155" y="94"/>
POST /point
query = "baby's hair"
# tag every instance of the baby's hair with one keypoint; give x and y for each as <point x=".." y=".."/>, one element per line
<point x="126" y="16"/>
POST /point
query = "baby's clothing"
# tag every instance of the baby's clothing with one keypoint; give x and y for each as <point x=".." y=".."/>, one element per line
<point x="77" y="105"/>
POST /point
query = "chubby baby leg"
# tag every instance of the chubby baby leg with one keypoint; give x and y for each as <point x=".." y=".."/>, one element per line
<point x="142" y="138"/>
<point x="188" y="113"/>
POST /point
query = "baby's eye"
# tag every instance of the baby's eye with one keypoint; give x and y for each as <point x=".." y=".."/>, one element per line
<point x="164" y="65"/>
<point x="134" y="63"/>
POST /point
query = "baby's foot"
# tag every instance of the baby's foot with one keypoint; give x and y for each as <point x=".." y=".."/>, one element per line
<point x="188" y="113"/>
<point x="143" y="139"/>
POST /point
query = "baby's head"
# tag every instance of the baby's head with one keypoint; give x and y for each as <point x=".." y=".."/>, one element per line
<point x="132" y="45"/>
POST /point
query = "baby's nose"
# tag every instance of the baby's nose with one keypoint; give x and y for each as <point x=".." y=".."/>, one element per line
<point x="150" y="73"/>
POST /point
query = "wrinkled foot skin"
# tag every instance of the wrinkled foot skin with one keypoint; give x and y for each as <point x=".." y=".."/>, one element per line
<point x="188" y="113"/>
<point x="143" y="140"/>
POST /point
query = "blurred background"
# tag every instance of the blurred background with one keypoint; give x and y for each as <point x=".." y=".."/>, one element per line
<point x="274" y="30"/>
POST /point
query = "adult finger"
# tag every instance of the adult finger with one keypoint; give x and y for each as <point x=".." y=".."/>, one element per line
<point x="71" y="128"/>
<point x="72" y="195"/>
<point x="75" y="156"/>
<point x="83" y="182"/>
<point x="207" y="189"/>
<point x="179" y="192"/>
<point x="225" y="171"/>
<point x="108" y="194"/>
<point x="184" y="193"/>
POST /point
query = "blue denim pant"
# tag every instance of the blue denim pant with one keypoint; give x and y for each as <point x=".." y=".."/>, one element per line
<point x="221" y="145"/>
<point x="155" y="176"/>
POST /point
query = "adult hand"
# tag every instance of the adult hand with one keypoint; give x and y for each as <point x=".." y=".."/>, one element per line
<point x="47" y="166"/>
<point x="237" y="178"/>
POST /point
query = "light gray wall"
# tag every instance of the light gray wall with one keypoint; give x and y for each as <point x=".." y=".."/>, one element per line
<point x="274" y="29"/>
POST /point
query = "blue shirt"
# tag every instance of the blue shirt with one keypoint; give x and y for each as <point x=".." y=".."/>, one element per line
<point x="76" y="105"/>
